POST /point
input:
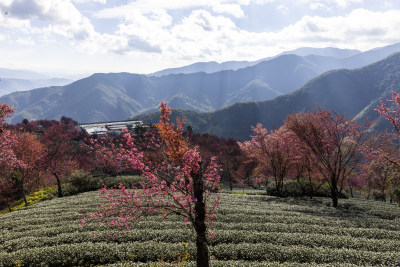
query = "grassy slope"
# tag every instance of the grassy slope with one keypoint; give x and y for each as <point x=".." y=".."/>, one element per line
<point x="251" y="231"/>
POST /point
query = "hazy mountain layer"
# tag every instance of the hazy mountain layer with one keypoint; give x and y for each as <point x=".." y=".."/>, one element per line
<point x="350" y="92"/>
<point x="116" y="96"/>
<point x="210" y="67"/>
<point x="350" y="59"/>
<point x="9" y="85"/>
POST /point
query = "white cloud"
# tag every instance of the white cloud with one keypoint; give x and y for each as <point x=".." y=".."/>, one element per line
<point x="346" y="3"/>
<point x="230" y="7"/>
<point x="142" y="32"/>
<point x="282" y="8"/>
<point x="320" y="6"/>
<point x="147" y="31"/>
<point x="8" y="21"/>
<point x="361" y="28"/>
<point x="57" y="18"/>
<point x="325" y="4"/>
<point x="60" y="11"/>
<point x="90" y="1"/>
<point x="25" y="41"/>
<point x="61" y="17"/>
<point x="263" y="2"/>
<point x="203" y="36"/>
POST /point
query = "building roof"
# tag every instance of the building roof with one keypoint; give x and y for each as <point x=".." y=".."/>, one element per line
<point x="114" y="126"/>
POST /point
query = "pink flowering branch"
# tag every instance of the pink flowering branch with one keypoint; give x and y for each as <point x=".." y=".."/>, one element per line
<point x="174" y="183"/>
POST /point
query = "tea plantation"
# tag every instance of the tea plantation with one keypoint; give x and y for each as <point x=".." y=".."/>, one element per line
<point x="251" y="230"/>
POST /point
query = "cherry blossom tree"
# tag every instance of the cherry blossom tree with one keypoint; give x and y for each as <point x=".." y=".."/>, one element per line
<point x="227" y="151"/>
<point x="391" y="112"/>
<point x="6" y="111"/>
<point x="333" y="141"/>
<point x="178" y="184"/>
<point x="274" y="153"/>
<point x="8" y="159"/>
<point x="29" y="151"/>
<point x="8" y="164"/>
<point x="113" y="155"/>
<point x="59" y="159"/>
<point x="305" y="166"/>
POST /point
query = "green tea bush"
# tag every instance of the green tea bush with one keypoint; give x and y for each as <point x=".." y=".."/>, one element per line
<point x="297" y="188"/>
<point x="80" y="181"/>
<point x="378" y="196"/>
<point x="128" y="181"/>
<point x="38" y="196"/>
<point x="238" y="192"/>
<point x="396" y="194"/>
<point x="251" y="230"/>
<point x="302" y="188"/>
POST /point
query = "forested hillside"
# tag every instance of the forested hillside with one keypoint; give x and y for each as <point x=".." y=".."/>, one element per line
<point x="350" y="92"/>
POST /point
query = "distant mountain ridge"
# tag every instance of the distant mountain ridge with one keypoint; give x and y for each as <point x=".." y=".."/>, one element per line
<point x="116" y="96"/>
<point x="355" y="93"/>
<point x="9" y="85"/>
<point x="13" y="80"/>
<point x="113" y="96"/>
<point x="212" y="66"/>
<point x="22" y="74"/>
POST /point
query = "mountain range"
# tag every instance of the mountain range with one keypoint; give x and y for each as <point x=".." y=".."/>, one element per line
<point x="354" y="93"/>
<point x="12" y="80"/>
<point x="210" y="67"/>
<point x="117" y="96"/>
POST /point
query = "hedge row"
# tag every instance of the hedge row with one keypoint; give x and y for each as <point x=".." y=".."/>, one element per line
<point x="221" y="237"/>
<point x="101" y="253"/>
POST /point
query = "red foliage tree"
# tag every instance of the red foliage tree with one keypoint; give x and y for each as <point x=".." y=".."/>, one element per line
<point x="29" y="151"/>
<point x="392" y="112"/>
<point x="8" y="164"/>
<point x="274" y="153"/>
<point x="227" y="152"/>
<point x="6" y="111"/>
<point x="8" y="159"/>
<point x="334" y="142"/>
<point x="177" y="185"/>
<point x="60" y="153"/>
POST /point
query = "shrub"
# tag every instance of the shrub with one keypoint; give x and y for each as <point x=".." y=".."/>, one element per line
<point x="78" y="182"/>
<point x="81" y="181"/>
<point x="396" y="196"/>
<point x="377" y="195"/>
<point x="294" y="188"/>
<point x="43" y="194"/>
<point x="238" y="192"/>
<point x="128" y="181"/>
<point x="297" y="188"/>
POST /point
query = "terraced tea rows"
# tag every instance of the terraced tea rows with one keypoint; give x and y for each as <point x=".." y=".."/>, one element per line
<point x="250" y="231"/>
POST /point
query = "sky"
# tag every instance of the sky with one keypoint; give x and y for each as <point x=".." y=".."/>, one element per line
<point x="144" y="36"/>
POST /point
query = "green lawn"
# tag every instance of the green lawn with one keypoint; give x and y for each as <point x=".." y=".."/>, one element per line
<point x="251" y="230"/>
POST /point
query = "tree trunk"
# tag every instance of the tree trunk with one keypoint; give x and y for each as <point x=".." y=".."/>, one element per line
<point x="311" y="188"/>
<point x="24" y="196"/>
<point x="281" y="186"/>
<point x="229" y="174"/>
<point x="334" y="192"/>
<point x="383" y="194"/>
<point x="311" y="185"/>
<point x="369" y="190"/>
<point x="202" y="259"/>
<point x="351" y="190"/>
<point x="60" y="192"/>
<point x="8" y="205"/>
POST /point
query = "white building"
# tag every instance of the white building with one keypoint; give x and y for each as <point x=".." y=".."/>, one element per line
<point x="115" y="127"/>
